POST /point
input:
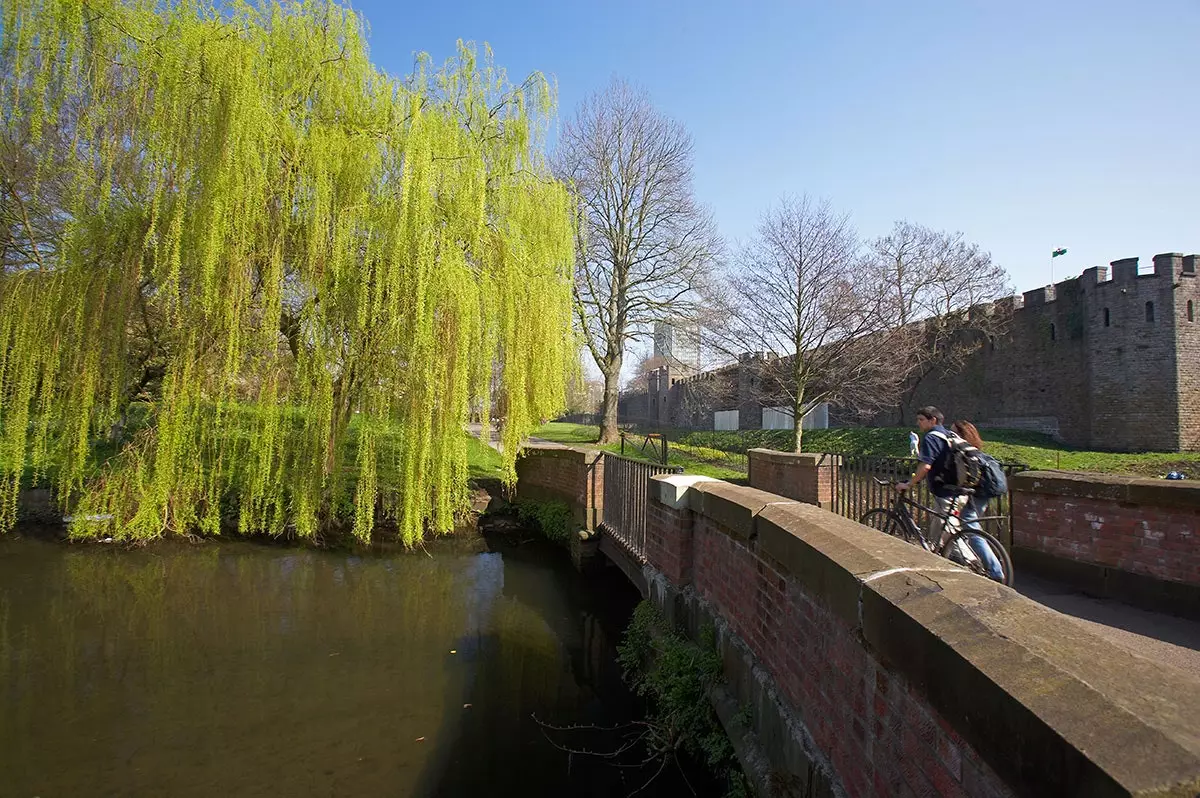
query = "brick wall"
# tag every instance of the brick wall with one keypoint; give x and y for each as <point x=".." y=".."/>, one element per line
<point x="903" y="675"/>
<point x="1135" y="538"/>
<point x="574" y="476"/>
<point x="805" y="477"/>
<point x="668" y="544"/>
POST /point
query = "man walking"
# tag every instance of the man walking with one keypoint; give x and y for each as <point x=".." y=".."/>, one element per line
<point x="936" y="466"/>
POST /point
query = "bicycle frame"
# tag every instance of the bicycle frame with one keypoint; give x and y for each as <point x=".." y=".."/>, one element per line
<point x="953" y="542"/>
<point x="903" y="502"/>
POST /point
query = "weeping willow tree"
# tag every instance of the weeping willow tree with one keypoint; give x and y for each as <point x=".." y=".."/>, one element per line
<point x="250" y="279"/>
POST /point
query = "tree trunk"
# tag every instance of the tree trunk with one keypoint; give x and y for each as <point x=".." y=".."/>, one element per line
<point x="798" y="417"/>
<point x="608" y="409"/>
<point x="339" y="424"/>
<point x="908" y="395"/>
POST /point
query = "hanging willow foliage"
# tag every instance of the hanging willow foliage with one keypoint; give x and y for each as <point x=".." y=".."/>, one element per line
<point x="249" y="278"/>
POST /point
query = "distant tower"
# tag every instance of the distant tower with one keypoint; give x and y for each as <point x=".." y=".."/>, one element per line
<point x="678" y="343"/>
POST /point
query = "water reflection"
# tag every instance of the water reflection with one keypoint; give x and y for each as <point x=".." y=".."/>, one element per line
<point x="242" y="669"/>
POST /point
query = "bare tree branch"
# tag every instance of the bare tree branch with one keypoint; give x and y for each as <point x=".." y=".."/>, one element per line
<point x="806" y="314"/>
<point x="933" y="279"/>
<point x="646" y="243"/>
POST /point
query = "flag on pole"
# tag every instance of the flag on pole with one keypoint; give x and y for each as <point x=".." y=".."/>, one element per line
<point x="1058" y="252"/>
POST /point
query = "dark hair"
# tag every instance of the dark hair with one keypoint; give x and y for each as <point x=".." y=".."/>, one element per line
<point x="967" y="431"/>
<point x="931" y="412"/>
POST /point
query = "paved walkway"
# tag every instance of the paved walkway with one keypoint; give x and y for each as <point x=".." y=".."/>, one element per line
<point x="1156" y="636"/>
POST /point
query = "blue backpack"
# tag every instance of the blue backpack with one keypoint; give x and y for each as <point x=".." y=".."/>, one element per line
<point x="992" y="482"/>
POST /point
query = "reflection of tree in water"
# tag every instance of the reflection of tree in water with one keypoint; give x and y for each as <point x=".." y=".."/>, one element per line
<point x="548" y="652"/>
<point x="291" y="668"/>
<point x="253" y="670"/>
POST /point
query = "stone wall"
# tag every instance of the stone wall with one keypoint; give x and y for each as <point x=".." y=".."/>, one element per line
<point x="875" y="668"/>
<point x="1082" y="359"/>
<point x="1132" y="538"/>
<point x="1187" y="342"/>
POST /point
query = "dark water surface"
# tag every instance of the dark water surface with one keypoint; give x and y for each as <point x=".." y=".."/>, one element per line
<point x="235" y="669"/>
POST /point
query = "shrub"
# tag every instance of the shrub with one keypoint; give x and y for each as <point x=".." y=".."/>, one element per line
<point x="552" y="518"/>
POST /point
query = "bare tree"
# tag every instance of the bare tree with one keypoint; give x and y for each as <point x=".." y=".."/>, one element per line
<point x="811" y="313"/>
<point x="933" y="279"/>
<point x="583" y="394"/>
<point x="646" y="243"/>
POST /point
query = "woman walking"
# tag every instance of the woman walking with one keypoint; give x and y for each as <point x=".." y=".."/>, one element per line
<point x="976" y="507"/>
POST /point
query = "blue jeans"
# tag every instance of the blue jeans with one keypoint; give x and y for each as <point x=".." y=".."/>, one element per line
<point x="970" y="515"/>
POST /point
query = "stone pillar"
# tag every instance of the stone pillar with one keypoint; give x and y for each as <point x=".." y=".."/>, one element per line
<point x="806" y="477"/>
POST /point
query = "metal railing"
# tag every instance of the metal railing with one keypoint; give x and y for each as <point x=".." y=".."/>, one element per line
<point x="626" y="498"/>
<point x="855" y="490"/>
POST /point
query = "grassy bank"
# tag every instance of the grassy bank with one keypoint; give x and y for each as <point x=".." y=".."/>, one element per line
<point x="483" y="461"/>
<point x="721" y="453"/>
<point x="717" y="464"/>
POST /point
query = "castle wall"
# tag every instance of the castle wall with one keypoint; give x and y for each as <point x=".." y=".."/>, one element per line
<point x="1117" y="381"/>
<point x="1187" y="346"/>
<point x="1134" y="374"/>
<point x="1081" y="360"/>
<point x="1029" y="378"/>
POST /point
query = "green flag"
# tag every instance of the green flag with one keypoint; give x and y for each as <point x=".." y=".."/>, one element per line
<point x="1058" y="252"/>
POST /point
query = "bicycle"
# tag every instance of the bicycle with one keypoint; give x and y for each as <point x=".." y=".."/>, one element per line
<point x="898" y="522"/>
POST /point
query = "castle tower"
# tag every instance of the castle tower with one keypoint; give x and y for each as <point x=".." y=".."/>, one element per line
<point x="1140" y="362"/>
<point x="1186" y="292"/>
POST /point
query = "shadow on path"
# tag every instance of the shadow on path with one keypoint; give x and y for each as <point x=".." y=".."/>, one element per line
<point x="1156" y="636"/>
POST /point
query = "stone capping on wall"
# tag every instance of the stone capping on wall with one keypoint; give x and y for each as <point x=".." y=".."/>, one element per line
<point x="791" y="458"/>
<point x="584" y="456"/>
<point x="1184" y="493"/>
<point x="1053" y="708"/>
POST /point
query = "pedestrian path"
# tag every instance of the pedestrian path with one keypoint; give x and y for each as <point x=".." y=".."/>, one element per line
<point x="1157" y="636"/>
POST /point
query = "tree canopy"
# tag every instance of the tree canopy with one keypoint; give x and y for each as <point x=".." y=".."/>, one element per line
<point x="249" y="278"/>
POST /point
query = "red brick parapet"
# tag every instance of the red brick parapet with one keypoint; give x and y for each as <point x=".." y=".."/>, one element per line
<point x="902" y="674"/>
<point x="805" y="477"/>
<point x="574" y="476"/>
<point x="1117" y="534"/>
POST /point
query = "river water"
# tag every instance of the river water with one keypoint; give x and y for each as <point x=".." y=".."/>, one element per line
<point x="239" y="669"/>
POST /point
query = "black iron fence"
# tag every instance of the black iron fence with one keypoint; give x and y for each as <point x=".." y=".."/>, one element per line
<point x="626" y="497"/>
<point x="855" y="490"/>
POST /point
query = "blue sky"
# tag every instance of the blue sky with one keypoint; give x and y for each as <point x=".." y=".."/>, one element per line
<point x="1027" y="126"/>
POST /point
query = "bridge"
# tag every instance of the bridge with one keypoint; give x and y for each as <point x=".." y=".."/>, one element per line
<point x="875" y="668"/>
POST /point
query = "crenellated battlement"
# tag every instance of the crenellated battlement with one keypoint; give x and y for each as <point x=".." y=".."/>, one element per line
<point x="1108" y="283"/>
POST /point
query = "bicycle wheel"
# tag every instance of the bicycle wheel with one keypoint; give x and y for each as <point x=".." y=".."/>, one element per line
<point x="998" y="550"/>
<point x="888" y="522"/>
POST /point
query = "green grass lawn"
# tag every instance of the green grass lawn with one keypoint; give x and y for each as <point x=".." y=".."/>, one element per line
<point x="701" y="452"/>
<point x="561" y="432"/>
<point x="483" y="461"/>
<point x="692" y="462"/>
